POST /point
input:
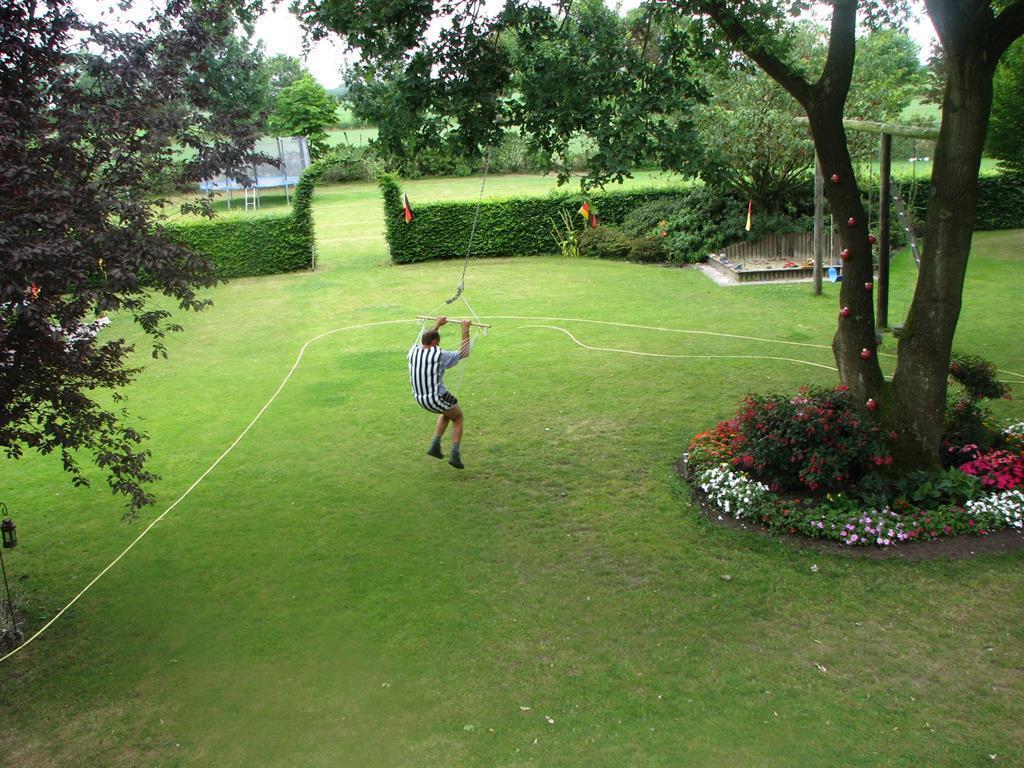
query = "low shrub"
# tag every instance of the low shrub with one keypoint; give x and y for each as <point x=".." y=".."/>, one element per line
<point x="604" y="243"/>
<point x="969" y="427"/>
<point x="647" y="250"/>
<point x="1000" y="470"/>
<point x="1000" y="508"/>
<point x="817" y="440"/>
<point x="347" y="163"/>
<point x="707" y="222"/>
<point x="977" y="376"/>
<point x="652" y="218"/>
<point x="847" y="520"/>
<point x="735" y="493"/>
<point x="931" y="490"/>
<point x="714" y="447"/>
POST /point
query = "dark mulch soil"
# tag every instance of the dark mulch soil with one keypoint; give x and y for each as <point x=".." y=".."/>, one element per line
<point x="952" y="547"/>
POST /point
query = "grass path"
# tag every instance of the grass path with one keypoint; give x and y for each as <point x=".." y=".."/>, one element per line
<point x="330" y="596"/>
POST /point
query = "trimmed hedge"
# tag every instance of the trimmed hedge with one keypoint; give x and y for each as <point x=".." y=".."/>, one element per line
<point x="261" y="245"/>
<point x="243" y="247"/>
<point x="1000" y="200"/>
<point x="519" y="226"/>
<point x="522" y="226"/>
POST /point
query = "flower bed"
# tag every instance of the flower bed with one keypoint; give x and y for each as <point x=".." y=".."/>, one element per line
<point x="808" y="465"/>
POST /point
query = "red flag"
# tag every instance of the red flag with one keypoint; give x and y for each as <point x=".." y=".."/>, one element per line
<point x="750" y="212"/>
<point x="407" y="210"/>
<point x="587" y="214"/>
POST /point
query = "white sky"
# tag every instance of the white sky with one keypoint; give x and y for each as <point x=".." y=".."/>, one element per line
<point x="280" y="33"/>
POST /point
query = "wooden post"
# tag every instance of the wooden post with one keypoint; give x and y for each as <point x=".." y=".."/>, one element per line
<point x="819" y="224"/>
<point x="884" y="171"/>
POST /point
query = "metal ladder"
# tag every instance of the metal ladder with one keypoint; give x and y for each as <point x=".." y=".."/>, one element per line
<point x="905" y="221"/>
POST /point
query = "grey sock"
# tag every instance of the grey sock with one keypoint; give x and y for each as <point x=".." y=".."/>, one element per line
<point x="455" y="449"/>
<point x="435" y="448"/>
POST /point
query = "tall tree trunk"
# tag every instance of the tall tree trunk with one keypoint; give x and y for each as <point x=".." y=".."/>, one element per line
<point x="919" y="383"/>
<point x="854" y="344"/>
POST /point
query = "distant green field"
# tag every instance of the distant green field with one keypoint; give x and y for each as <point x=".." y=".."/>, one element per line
<point x="918" y="110"/>
<point x="444" y="188"/>
<point x="357" y="137"/>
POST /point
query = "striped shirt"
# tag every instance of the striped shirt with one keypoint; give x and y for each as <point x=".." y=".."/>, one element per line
<point x="426" y="374"/>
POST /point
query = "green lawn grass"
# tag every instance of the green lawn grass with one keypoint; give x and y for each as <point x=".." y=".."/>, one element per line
<point x="330" y="596"/>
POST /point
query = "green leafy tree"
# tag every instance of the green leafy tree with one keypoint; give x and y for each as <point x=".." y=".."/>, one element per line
<point x="463" y="75"/>
<point x="235" y="78"/>
<point x="89" y="118"/>
<point x="755" y="147"/>
<point x="304" y="108"/>
<point x="887" y="75"/>
<point x="281" y="71"/>
<point x="568" y="79"/>
<point x="1007" y="124"/>
<point x="555" y="79"/>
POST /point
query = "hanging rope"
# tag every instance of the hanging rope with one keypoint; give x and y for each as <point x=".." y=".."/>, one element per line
<point x="472" y="231"/>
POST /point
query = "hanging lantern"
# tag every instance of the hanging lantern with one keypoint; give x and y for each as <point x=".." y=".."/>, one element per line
<point x="872" y="405"/>
<point x="845" y="254"/>
<point x="10" y="533"/>
<point x="871" y="239"/>
<point x="836" y="178"/>
<point x="851" y="222"/>
<point x="865" y="354"/>
<point x="868" y="286"/>
<point x="844" y="312"/>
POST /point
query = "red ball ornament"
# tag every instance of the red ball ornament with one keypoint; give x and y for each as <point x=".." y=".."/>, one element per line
<point x="851" y="222"/>
<point x="868" y="286"/>
<point x="872" y="239"/>
<point x="845" y="254"/>
<point x="872" y="405"/>
<point x="836" y="178"/>
<point x="865" y="354"/>
<point x="844" y="312"/>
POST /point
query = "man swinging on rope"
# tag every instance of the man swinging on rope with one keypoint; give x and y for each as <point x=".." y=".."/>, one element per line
<point x="427" y="364"/>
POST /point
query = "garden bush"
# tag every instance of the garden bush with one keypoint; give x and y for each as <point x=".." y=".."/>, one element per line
<point x="1000" y="469"/>
<point x="647" y="250"/>
<point x="652" y="218"/>
<point x="604" y="243"/>
<point x="745" y="466"/>
<point x="969" y="427"/>
<point x="346" y="163"/>
<point x="817" y="440"/>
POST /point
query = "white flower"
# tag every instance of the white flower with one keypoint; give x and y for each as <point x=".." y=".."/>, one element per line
<point x="1007" y="507"/>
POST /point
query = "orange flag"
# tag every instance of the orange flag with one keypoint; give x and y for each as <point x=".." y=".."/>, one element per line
<point x="750" y="211"/>
<point x="407" y="210"/>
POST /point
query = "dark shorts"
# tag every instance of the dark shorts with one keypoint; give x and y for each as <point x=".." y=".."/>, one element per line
<point x="438" y="403"/>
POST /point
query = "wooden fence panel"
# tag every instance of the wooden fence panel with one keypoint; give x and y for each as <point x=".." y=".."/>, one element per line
<point x="792" y="246"/>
